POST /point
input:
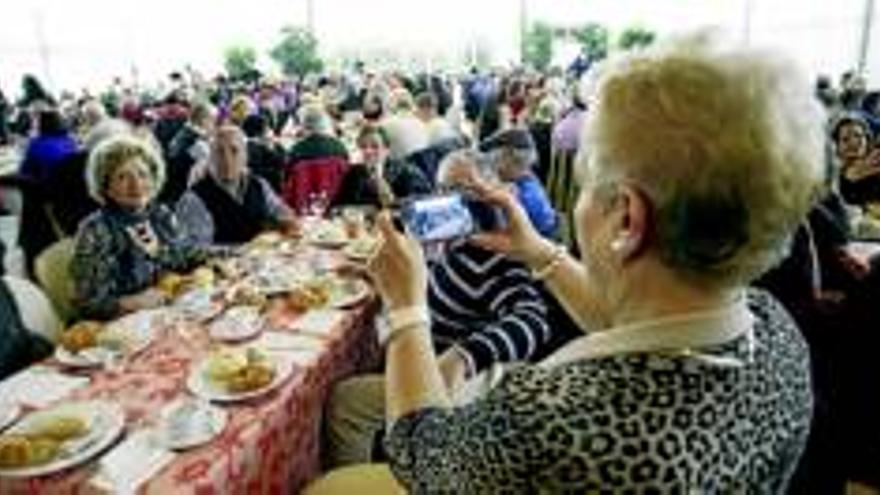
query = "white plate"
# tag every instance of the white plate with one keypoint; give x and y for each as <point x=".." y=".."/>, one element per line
<point x="189" y="423"/>
<point x="134" y="332"/>
<point x="204" y="388"/>
<point x="238" y="323"/>
<point x="92" y="357"/>
<point x="200" y="304"/>
<point x="328" y="235"/>
<point x="8" y="414"/>
<point x="106" y="422"/>
<point x="339" y="300"/>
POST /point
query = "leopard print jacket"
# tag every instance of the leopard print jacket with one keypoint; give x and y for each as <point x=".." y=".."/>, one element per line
<point x="641" y="423"/>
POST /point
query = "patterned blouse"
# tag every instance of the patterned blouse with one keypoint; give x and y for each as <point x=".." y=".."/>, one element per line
<point x="118" y="254"/>
<point x="656" y="423"/>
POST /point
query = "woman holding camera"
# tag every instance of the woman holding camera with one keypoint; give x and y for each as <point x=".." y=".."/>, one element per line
<point x="701" y="161"/>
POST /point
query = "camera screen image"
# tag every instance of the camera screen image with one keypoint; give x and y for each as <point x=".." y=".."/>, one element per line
<point x="438" y="218"/>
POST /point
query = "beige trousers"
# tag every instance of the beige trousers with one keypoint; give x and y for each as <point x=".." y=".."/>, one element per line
<point x="355" y="412"/>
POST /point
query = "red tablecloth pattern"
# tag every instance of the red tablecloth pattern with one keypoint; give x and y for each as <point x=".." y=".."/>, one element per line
<point x="269" y="446"/>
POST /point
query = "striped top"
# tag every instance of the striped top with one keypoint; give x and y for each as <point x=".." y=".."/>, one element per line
<point x="487" y="305"/>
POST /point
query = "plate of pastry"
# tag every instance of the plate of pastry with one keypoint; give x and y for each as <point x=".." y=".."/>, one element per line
<point x="89" y="344"/>
<point x="238" y="374"/>
<point x="60" y="437"/>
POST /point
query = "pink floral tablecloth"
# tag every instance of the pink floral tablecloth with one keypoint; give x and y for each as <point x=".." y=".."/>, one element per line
<point x="269" y="446"/>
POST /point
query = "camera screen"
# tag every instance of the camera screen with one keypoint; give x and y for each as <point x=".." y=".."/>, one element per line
<point x="438" y="218"/>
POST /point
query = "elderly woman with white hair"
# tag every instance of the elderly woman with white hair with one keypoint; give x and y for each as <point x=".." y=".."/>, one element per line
<point x="702" y="161"/>
<point x="123" y="248"/>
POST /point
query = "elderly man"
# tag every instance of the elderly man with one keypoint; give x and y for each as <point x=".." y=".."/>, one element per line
<point x="514" y="152"/>
<point x="230" y="205"/>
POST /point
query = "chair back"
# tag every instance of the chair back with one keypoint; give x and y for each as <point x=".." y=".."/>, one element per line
<point x="52" y="270"/>
<point x="314" y="176"/>
<point x="37" y="312"/>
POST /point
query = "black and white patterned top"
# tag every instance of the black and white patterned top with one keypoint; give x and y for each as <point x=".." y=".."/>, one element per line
<point x="652" y="422"/>
<point x="487" y="304"/>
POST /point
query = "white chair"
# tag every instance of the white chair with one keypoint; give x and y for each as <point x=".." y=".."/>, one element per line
<point x="36" y="311"/>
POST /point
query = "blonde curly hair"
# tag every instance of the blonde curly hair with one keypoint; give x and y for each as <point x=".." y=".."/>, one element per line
<point x="115" y="151"/>
<point x="727" y="144"/>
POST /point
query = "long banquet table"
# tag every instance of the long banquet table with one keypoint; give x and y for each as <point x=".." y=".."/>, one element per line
<point x="270" y="445"/>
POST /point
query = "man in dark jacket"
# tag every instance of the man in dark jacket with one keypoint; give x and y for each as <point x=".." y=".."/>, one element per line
<point x="230" y="205"/>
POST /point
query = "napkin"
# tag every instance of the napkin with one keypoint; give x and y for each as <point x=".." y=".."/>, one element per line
<point x="134" y="461"/>
<point x="320" y="323"/>
<point x="39" y="386"/>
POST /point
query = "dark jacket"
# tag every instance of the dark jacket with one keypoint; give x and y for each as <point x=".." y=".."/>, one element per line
<point x="266" y="160"/>
<point x="235" y="223"/>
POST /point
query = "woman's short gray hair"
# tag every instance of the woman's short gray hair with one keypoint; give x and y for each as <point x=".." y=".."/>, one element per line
<point x="727" y="144"/>
<point x="115" y="151"/>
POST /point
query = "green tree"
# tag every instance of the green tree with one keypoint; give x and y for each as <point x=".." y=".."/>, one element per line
<point x="240" y="61"/>
<point x="635" y="37"/>
<point x="538" y="46"/>
<point x="593" y="39"/>
<point x="297" y="52"/>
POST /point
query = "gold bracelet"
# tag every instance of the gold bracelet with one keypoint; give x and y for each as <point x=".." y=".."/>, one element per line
<point x="551" y="266"/>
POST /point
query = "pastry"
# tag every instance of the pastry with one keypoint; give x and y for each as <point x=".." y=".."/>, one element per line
<point x="25" y="450"/>
<point x="60" y="428"/>
<point x="81" y="336"/>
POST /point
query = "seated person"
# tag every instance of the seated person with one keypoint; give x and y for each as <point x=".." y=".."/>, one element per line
<point x="265" y="157"/>
<point x="230" y="205"/>
<point x="485" y="308"/>
<point x="188" y="150"/>
<point x="19" y="347"/>
<point x="122" y="248"/>
<point x="378" y="180"/>
<point x="859" y="162"/>
<point x="406" y="133"/>
<point x="317" y="141"/>
<point x="515" y="154"/>
<point x="687" y="380"/>
<point x="439" y="129"/>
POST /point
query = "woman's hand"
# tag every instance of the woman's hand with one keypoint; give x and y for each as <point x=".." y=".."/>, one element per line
<point x="518" y="239"/>
<point x="398" y="267"/>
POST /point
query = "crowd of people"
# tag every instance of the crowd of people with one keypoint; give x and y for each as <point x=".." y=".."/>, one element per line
<point x="711" y="257"/>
